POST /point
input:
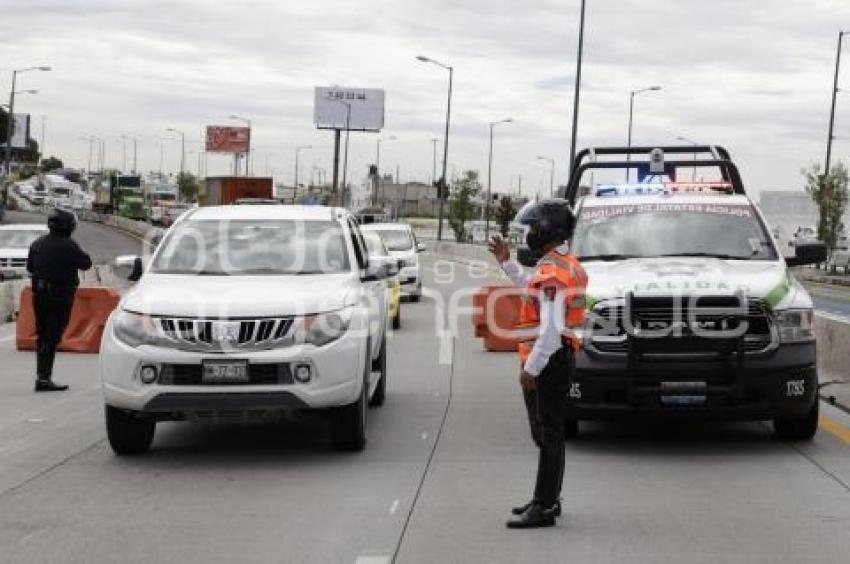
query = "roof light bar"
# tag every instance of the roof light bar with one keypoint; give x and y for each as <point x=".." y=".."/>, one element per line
<point x="663" y="188"/>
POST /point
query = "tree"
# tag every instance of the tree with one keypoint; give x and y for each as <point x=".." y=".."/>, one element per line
<point x="830" y="193"/>
<point x="51" y="163"/>
<point x="461" y="208"/>
<point x="504" y="215"/>
<point x="187" y="186"/>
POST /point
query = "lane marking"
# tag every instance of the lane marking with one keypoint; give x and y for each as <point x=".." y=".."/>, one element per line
<point x="834" y="428"/>
<point x="394" y="506"/>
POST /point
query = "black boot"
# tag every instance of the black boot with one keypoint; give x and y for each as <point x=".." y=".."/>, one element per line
<point x="535" y="517"/>
<point x="47" y="385"/>
<point x="556" y="509"/>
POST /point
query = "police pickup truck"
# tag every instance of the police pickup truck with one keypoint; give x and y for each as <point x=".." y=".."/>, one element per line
<point x="692" y="310"/>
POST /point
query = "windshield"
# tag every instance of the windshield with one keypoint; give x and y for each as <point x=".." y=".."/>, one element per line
<point x="669" y="229"/>
<point x="18" y="239"/>
<point x="374" y="244"/>
<point x="253" y="248"/>
<point x="397" y="239"/>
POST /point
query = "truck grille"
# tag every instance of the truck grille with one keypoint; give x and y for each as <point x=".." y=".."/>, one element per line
<point x="664" y="314"/>
<point x="211" y="335"/>
<point x="192" y="375"/>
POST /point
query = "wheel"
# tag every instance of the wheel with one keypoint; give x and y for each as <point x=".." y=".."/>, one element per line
<point x="348" y="422"/>
<point x="380" y="365"/>
<point x="801" y="428"/>
<point x="128" y="434"/>
<point x="570" y="429"/>
<point x="397" y="318"/>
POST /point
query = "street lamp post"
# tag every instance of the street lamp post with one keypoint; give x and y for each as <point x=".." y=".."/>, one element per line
<point x="830" y="135"/>
<point x="123" y="139"/>
<point x="378" y="152"/>
<point x="551" y="174"/>
<point x="248" y="154"/>
<point x="41" y="145"/>
<point x="10" y="121"/>
<point x="445" y="142"/>
<point x="577" y="86"/>
<point x="632" y="95"/>
<point x="135" y="151"/>
<point x="298" y="149"/>
<point x="434" y="142"/>
<point x="694" y="143"/>
<point x="492" y="124"/>
<point x="182" y="146"/>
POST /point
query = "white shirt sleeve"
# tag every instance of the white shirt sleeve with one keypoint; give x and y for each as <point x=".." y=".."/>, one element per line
<point x="549" y="340"/>
<point x="516" y="273"/>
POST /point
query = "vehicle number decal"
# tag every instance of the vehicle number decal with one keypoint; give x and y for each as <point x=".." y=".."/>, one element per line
<point x="795" y="388"/>
<point x="575" y="390"/>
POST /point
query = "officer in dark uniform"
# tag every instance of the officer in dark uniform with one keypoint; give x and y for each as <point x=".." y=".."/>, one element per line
<point x="53" y="263"/>
<point x="551" y="313"/>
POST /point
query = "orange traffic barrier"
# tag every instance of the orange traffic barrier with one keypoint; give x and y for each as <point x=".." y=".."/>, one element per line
<point x="92" y="307"/>
<point x="496" y="313"/>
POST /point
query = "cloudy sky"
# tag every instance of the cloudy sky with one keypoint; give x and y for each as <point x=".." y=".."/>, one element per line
<point x="754" y="75"/>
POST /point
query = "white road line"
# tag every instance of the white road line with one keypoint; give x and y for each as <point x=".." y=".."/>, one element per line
<point x="379" y="559"/>
<point x="394" y="506"/>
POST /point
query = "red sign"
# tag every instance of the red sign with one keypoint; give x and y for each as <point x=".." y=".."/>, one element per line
<point x="227" y="139"/>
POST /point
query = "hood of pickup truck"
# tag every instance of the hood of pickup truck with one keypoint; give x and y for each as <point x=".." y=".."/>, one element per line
<point x="684" y="276"/>
<point x="240" y="296"/>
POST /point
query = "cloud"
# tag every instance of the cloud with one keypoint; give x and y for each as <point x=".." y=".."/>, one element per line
<point x="752" y="75"/>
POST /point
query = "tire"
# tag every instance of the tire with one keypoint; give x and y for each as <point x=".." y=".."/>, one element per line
<point x="128" y="435"/>
<point x="348" y="422"/>
<point x="801" y="428"/>
<point x="380" y="365"/>
<point x="570" y="429"/>
<point x="397" y="318"/>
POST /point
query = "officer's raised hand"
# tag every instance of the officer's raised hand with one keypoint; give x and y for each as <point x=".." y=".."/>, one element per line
<point x="499" y="248"/>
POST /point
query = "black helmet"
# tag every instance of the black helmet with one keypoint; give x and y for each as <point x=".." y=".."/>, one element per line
<point x="548" y="221"/>
<point x="61" y="222"/>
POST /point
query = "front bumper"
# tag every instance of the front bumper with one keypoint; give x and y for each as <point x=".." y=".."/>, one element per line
<point x="337" y="370"/>
<point x="781" y="383"/>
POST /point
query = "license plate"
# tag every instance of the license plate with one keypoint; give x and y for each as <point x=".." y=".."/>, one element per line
<point x="684" y="400"/>
<point x="225" y="371"/>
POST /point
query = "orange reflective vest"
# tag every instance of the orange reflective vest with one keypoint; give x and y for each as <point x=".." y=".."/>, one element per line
<point x="563" y="269"/>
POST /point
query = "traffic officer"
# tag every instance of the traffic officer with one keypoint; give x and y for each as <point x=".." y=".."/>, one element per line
<point x="53" y="262"/>
<point x="553" y="306"/>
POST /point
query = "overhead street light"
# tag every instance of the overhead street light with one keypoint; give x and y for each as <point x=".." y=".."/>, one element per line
<point x="492" y="124"/>
<point x="298" y="149"/>
<point x="182" y="146"/>
<point x="10" y="121"/>
<point x="247" y="122"/>
<point x="444" y="181"/>
<point x="551" y="174"/>
<point x="835" y="91"/>
<point x="632" y="95"/>
<point x="378" y="152"/>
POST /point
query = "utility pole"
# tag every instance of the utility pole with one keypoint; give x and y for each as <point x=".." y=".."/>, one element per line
<point x="434" y="142"/>
<point x="492" y="124"/>
<point x="41" y="145"/>
<point x="830" y="136"/>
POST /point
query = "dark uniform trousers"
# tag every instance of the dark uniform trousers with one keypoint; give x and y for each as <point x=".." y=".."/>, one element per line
<point x="52" y="307"/>
<point x="546" y="408"/>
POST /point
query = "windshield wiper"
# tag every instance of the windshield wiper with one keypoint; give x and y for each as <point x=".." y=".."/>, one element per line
<point x="721" y="256"/>
<point x="607" y="258"/>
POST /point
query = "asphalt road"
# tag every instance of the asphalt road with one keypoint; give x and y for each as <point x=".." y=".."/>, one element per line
<point x="422" y="491"/>
<point x="102" y="243"/>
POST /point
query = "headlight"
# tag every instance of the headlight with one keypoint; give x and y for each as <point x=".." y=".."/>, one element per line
<point x="323" y="328"/>
<point x="134" y="329"/>
<point x="795" y="325"/>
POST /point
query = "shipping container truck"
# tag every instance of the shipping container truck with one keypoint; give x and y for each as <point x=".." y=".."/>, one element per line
<point x="225" y="190"/>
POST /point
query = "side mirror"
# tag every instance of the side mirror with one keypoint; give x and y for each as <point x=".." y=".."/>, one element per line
<point x="421" y="247"/>
<point x="376" y="270"/>
<point x="129" y="267"/>
<point x="808" y="253"/>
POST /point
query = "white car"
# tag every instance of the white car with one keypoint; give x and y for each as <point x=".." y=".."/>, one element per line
<point x="402" y="245"/>
<point x="245" y="312"/>
<point x="15" y="241"/>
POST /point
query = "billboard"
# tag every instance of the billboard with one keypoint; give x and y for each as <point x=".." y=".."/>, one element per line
<point x="228" y="139"/>
<point x="331" y="108"/>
